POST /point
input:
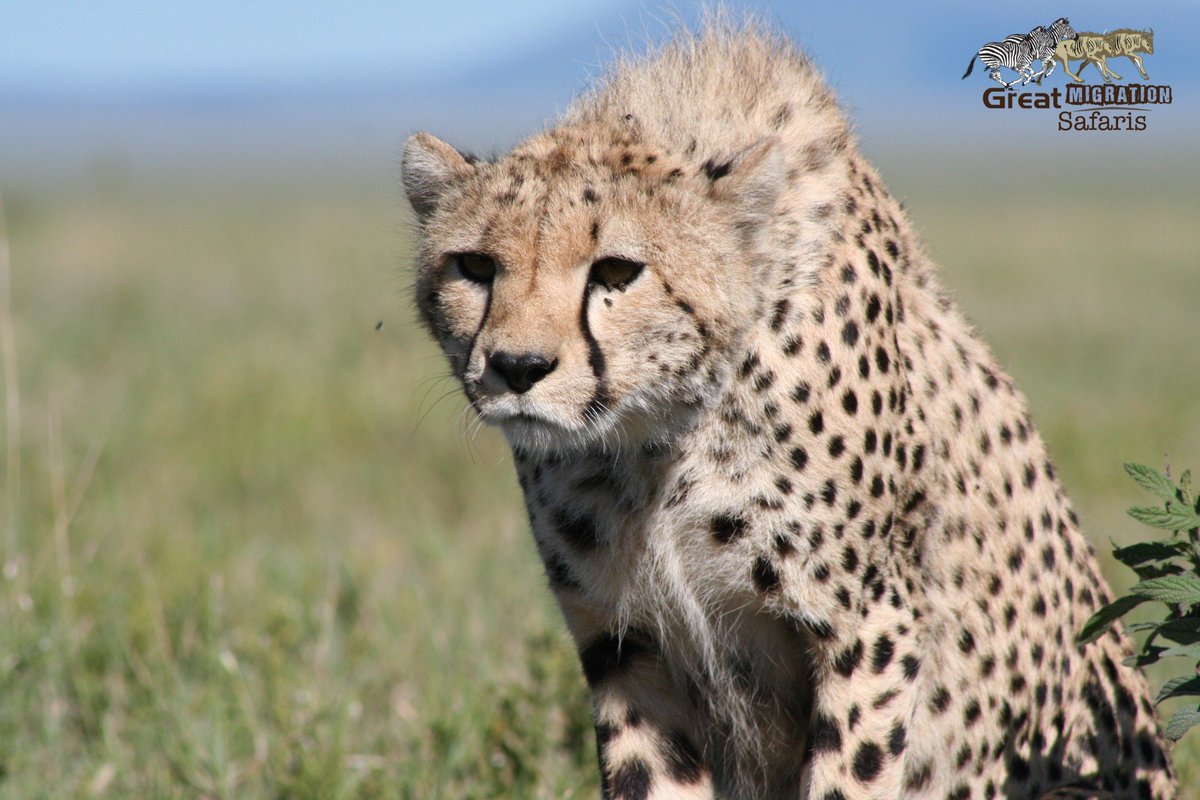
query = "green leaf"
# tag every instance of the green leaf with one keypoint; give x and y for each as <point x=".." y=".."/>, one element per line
<point x="1170" y="589"/>
<point x="1181" y="722"/>
<point x="1189" y="651"/>
<point x="1148" y="656"/>
<point x="1167" y="520"/>
<point x="1105" y="617"/>
<point x="1182" y="686"/>
<point x="1152" y="480"/>
<point x="1148" y="551"/>
<point x="1183" y="631"/>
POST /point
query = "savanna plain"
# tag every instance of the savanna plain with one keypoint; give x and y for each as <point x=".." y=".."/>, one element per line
<point x="254" y="547"/>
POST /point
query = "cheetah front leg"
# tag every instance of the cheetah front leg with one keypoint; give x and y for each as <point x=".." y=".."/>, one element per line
<point x="644" y="738"/>
<point x="864" y="696"/>
<point x="645" y="746"/>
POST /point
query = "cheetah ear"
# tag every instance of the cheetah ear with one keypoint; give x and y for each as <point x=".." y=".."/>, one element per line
<point x="752" y="179"/>
<point x="428" y="168"/>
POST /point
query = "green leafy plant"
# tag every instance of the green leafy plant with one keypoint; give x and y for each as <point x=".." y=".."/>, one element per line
<point x="1168" y="570"/>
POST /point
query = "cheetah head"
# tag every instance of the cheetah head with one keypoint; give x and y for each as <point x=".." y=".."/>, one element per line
<point x="586" y="295"/>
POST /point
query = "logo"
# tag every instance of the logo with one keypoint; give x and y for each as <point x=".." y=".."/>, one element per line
<point x="1032" y="57"/>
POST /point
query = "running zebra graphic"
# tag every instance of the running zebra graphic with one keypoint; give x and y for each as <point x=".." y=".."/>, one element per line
<point x="1045" y="41"/>
<point x="1014" y="53"/>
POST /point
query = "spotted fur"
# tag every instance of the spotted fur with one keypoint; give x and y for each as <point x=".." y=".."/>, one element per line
<point x="798" y="520"/>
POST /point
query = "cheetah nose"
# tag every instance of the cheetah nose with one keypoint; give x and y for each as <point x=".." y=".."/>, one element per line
<point x="521" y="370"/>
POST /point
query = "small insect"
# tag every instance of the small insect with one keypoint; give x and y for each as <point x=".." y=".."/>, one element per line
<point x="379" y="325"/>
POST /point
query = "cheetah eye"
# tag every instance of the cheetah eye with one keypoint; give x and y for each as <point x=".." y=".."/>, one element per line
<point x="615" y="273"/>
<point x="476" y="266"/>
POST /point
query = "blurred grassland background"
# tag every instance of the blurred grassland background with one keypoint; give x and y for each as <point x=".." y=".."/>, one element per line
<point x="247" y="549"/>
<point x="250" y="553"/>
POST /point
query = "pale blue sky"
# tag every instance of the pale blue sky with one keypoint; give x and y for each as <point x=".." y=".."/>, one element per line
<point x="150" y="79"/>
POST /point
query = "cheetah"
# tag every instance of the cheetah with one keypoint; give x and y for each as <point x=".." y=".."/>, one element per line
<point x="803" y="533"/>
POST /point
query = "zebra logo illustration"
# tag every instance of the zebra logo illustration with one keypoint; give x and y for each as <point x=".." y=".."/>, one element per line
<point x="1018" y="52"/>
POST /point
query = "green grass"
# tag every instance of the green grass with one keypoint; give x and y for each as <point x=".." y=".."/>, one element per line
<point x="248" y="551"/>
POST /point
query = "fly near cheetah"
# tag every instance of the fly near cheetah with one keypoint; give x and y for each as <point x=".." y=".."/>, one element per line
<point x="798" y="521"/>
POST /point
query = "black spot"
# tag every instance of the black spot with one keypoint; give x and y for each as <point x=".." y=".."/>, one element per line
<point x="1015" y="559"/>
<point x="849" y="559"/>
<point x="589" y="195"/>
<point x="826" y="736"/>
<point x="916" y="776"/>
<point x="579" y="531"/>
<point x="966" y="642"/>
<point x="911" y="667"/>
<point x="882" y="361"/>
<point x="801" y="392"/>
<point x="631" y="781"/>
<point x="873" y="262"/>
<point x="682" y="758"/>
<point x="749" y="363"/>
<point x="848" y="274"/>
<point x="897" y="739"/>
<point x="595" y="231"/>
<point x="558" y="573"/>
<point x="881" y="653"/>
<point x="940" y="700"/>
<point x="764" y="575"/>
<point x="727" y="527"/>
<point x="605" y="733"/>
<point x="1018" y="767"/>
<point x="972" y="713"/>
<point x="716" y="171"/>
<point x="829" y="492"/>
<point x="816" y="423"/>
<point x="868" y="761"/>
<point x="780" y="314"/>
<point x="799" y="458"/>
<point x="850" y="333"/>
<point x="856" y="469"/>
<point x="837" y="446"/>
<point x="848" y="660"/>
<point x="608" y="653"/>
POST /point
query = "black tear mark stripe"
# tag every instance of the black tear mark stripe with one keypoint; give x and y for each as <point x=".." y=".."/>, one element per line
<point x="487" y="309"/>
<point x="600" y="397"/>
